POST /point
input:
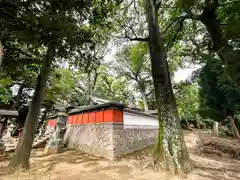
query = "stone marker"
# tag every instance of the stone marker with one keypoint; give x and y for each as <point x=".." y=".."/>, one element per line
<point x="8" y="135"/>
<point x="2" y="146"/>
<point x="215" y="129"/>
<point x="56" y="145"/>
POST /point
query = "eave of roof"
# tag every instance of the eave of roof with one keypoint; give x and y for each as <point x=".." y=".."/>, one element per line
<point x="97" y="107"/>
<point x="139" y="112"/>
<point x="4" y="112"/>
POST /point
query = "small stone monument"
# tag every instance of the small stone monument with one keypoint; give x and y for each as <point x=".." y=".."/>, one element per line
<point x="41" y="132"/>
<point x="215" y="128"/>
<point x="7" y="139"/>
<point x="56" y="145"/>
<point x="2" y="146"/>
<point x="10" y="129"/>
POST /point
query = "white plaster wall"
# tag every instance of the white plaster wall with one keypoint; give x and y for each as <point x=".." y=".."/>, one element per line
<point x="132" y="120"/>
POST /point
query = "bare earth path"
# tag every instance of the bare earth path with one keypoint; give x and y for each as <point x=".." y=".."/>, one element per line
<point x="213" y="161"/>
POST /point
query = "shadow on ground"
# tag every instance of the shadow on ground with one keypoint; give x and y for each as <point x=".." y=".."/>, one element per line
<point x="215" y="164"/>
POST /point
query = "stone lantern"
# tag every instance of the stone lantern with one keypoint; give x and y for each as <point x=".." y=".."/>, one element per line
<point x="56" y="145"/>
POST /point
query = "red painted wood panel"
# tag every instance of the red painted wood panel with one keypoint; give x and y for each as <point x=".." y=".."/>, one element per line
<point x="92" y="117"/>
<point x="99" y="116"/>
<point x="70" y="119"/>
<point x="79" y="119"/>
<point x="75" y="119"/>
<point x="118" y="116"/>
<point x="108" y="115"/>
<point x="85" y="118"/>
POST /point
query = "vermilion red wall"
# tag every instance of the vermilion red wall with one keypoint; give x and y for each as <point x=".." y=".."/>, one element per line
<point x="102" y="116"/>
<point x="52" y="122"/>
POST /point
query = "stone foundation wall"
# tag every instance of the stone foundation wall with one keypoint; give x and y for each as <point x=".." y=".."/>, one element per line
<point x="95" y="139"/>
<point x="133" y="139"/>
<point x="109" y="140"/>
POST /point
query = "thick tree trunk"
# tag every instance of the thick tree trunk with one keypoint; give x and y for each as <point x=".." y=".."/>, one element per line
<point x="24" y="146"/>
<point x="171" y="150"/>
<point x="220" y="44"/>
<point x="234" y="128"/>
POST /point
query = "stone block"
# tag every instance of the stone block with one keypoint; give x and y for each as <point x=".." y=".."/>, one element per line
<point x="2" y="146"/>
<point x="54" y="146"/>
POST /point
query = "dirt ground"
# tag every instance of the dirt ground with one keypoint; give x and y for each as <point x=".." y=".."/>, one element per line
<point x="212" y="159"/>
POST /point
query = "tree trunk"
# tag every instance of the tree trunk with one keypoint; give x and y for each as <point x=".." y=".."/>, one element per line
<point x="188" y="127"/>
<point x="24" y="146"/>
<point x="18" y="97"/>
<point x="3" y="125"/>
<point x="234" y="128"/>
<point x="1" y="53"/>
<point x="220" y="44"/>
<point x="145" y="101"/>
<point x="89" y="87"/>
<point x="144" y="96"/>
<point x="171" y="150"/>
<point x="198" y="122"/>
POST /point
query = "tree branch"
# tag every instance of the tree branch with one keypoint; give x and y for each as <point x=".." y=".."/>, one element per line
<point x="138" y="39"/>
<point x="177" y="19"/>
<point x="158" y="5"/>
<point x="143" y="39"/>
<point x="126" y="29"/>
<point x="150" y="92"/>
<point x="191" y="15"/>
<point x="81" y="88"/>
<point x="135" y="38"/>
<point x="177" y="32"/>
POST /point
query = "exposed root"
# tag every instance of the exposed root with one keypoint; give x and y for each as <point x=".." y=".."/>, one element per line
<point x="172" y="156"/>
<point x="236" y="156"/>
<point x="15" y="165"/>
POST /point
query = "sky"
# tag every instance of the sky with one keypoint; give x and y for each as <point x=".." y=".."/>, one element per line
<point x="182" y="74"/>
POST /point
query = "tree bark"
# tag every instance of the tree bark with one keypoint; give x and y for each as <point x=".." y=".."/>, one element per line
<point x="234" y="128"/>
<point x="188" y="127"/>
<point x="89" y="87"/>
<point x="3" y="125"/>
<point x="144" y="96"/>
<point x="198" y="122"/>
<point x="220" y="43"/>
<point x="18" y="97"/>
<point x="171" y="150"/>
<point x="1" y="53"/>
<point x="24" y="146"/>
